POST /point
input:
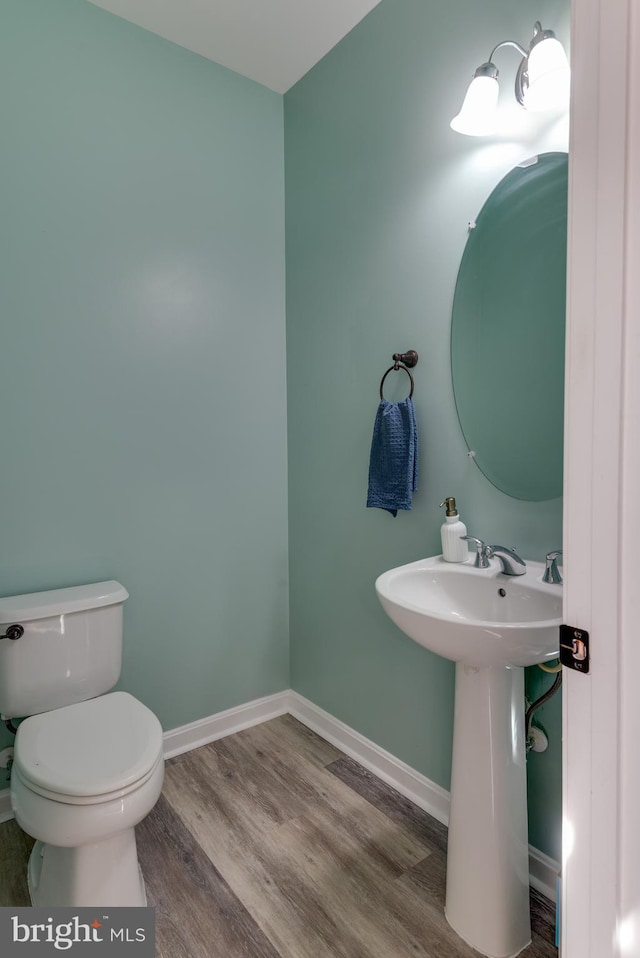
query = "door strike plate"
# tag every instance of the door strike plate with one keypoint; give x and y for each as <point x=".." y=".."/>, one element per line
<point x="574" y="648"/>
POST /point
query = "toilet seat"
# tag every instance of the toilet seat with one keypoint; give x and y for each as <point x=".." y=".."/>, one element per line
<point x="87" y="799"/>
<point x="89" y="752"/>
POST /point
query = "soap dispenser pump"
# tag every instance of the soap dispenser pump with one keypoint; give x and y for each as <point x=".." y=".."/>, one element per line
<point x="454" y="549"/>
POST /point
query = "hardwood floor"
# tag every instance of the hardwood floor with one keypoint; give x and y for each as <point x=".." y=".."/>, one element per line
<point x="271" y="843"/>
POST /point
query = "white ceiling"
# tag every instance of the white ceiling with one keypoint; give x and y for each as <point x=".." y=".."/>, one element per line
<point x="272" y="41"/>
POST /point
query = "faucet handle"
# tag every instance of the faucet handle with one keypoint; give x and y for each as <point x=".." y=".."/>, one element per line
<point x="551" y="571"/>
<point x="481" y="560"/>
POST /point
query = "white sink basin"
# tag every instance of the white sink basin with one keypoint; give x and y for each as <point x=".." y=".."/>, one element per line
<point x="491" y="625"/>
<point x="477" y="616"/>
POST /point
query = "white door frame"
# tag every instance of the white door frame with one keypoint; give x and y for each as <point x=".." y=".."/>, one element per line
<point x="601" y="760"/>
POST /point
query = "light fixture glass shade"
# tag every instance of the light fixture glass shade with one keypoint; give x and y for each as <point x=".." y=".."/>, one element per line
<point x="549" y="77"/>
<point x="477" y="116"/>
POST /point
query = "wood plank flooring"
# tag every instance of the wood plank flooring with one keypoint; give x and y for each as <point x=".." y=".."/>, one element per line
<point x="271" y="843"/>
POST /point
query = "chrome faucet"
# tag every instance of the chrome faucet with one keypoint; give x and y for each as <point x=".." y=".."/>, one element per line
<point x="482" y="559"/>
<point x="512" y="564"/>
<point x="551" y="570"/>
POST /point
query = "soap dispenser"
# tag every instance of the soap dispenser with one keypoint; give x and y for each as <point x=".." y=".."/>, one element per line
<point x="454" y="549"/>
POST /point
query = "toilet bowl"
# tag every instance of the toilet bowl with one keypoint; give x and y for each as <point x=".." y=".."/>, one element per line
<point x="88" y="762"/>
<point x="83" y="776"/>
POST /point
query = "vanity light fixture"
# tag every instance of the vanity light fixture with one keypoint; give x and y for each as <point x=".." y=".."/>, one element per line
<point x="542" y="83"/>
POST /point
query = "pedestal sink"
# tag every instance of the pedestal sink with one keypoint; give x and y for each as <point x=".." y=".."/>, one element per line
<point x="491" y="625"/>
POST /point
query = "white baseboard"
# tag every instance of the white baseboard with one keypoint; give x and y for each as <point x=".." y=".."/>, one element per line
<point x="206" y="730"/>
<point x="186" y="737"/>
<point x="417" y="787"/>
<point x="406" y="780"/>
<point x="412" y="784"/>
<point x="543" y="872"/>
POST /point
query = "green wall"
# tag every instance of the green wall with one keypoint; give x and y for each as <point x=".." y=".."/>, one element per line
<point x="142" y="352"/>
<point x="379" y="192"/>
<point x="142" y="343"/>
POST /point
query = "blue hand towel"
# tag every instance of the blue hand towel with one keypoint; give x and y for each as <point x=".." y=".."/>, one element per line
<point x="393" y="465"/>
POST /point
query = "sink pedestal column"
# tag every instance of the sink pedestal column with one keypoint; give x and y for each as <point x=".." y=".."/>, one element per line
<point x="488" y="859"/>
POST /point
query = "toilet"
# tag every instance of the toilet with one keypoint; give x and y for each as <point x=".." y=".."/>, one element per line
<point x="88" y="763"/>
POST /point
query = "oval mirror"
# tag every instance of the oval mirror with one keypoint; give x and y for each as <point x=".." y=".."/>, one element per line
<point x="507" y="331"/>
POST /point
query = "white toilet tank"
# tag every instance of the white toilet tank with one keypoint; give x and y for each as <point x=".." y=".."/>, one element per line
<point x="71" y="649"/>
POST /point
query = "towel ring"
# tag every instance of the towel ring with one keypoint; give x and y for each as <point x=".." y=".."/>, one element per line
<point x="402" y="361"/>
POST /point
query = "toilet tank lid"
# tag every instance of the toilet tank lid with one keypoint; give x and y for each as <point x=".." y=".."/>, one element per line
<point x="79" y="598"/>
